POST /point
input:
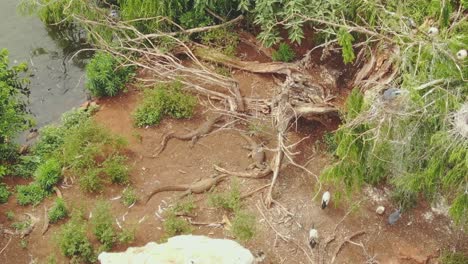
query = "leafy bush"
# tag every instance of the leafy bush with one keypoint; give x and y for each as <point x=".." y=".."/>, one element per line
<point x="453" y="258"/>
<point x="174" y="225"/>
<point x="58" y="211"/>
<point x="223" y="39"/>
<point x="48" y="174"/>
<point x="21" y="225"/>
<point x="10" y="215"/>
<point x="92" y="180"/>
<point x="128" y="196"/>
<point x="243" y="226"/>
<point x="284" y="53"/>
<point x="106" y="75"/>
<point x="26" y="166"/>
<point x="185" y="206"/>
<point x="127" y="236"/>
<point x="73" y="242"/>
<point x="116" y="169"/>
<point x="163" y="101"/>
<point x="4" y="193"/>
<point x="13" y="113"/>
<point x="102" y="225"/>
<point x="30" y="194"/>
<point x="228" y="200"/>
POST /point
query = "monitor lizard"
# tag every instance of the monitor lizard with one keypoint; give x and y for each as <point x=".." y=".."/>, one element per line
<point x="196" y="187"/>
<point x="257" y="153"/>
<point x="202" y="130"/>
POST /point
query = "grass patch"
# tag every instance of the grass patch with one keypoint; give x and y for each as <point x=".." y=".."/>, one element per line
<point x="102" y="225"/>
<point x="284" y="53"/>
<point x="164" y="100"/>
<point x="21" y="225"/>
<point x="243" y="225"/>
<point x="116" y="169"/>
<point x="230" y="201"/>
<point x="48" y="174"/>
<point x="106" y="75"/>
<point x="174" y="225"/>
<point x="74" y="243"/>
<point x="58" y="211"/>
<point x="10" y="215"/>
<point x="185" y="206"/>
<point x="4" y="193"/>
<point x="453" y="258"/>
<point x="128" y="196"/>
<point x="223" y="39"/>
<point x="30" y="194"/>
<point x="127" y="236"/>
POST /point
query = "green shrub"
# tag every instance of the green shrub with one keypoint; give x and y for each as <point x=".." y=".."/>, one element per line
<point x="102" y="225"/>
<point x="243" y="226"/>
<point x="13" y="112"/>
<point x="50" y="139"/>
<point x="453" y="258"/>
<point x="73" y="242"/>
<point x="163" y="101"/>
<point x="48" y="174"/>
<point x="26" y="166"/>
<point x="91" y="181"/>
<point x="21" y="225"/>
<point x="284" y="53"/>
<point x="228" y="200"/>
<point x="185" y="206"/>
<point x="106" y="75"/>
<point x="127" y="236"/>
<point x="10" y="215"/>
<point x="4" y="193"/>
<point x="58" y="211"/>
<point x="223" y="39"/>
<point x="116" y="169"/>
<point x="128" y="196"/>
<point x="30" y="194"/>
<point x="174" y="225"/>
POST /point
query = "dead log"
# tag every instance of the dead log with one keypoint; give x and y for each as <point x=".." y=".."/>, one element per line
<point x="250" y="66"/>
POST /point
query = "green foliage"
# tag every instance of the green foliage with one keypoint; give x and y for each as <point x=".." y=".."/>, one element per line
<point x="58" y="211"/>
<point x="453" y="258"/>
<point x="185" y="206"/>
<point x="26" y="166"/>
<point x="223" y="39"/>
<point x="24" y="243"/>
<point x="284" y="53"/>
<point x="127" y="236"/>
<point x="48" y="174"/>
<point x="73" y="242"/>
<point x="106" y="75"/>
<point x="345" y="39"/>
<point x="21" y="225"/>
<point x="228" y="200"/>
<point x="174" y="225"/>
<point x="10" y="215"/>
<point x="30" y="194"/>
<point x="91" y="180"/>
<point x="4" y="193"/>
<point x="102" y="225"/>
<point x="243" y="226"/>
<point x="164" y="101"/>
<point x="128" y="196"/>
<point x="116" y="168"/>
<point x="13" y="114"/>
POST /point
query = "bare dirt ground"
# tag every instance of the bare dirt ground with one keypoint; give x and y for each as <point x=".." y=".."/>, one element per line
<point x="416" y="238"/>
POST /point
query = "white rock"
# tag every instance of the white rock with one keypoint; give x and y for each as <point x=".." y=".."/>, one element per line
<point x="380" y="210"/>
<point x="186" y="249"/>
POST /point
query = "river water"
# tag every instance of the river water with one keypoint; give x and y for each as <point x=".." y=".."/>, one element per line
<point x="57" y="83"/>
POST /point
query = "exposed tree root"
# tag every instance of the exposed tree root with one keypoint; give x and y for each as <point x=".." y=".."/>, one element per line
<point x="346" y="239"/>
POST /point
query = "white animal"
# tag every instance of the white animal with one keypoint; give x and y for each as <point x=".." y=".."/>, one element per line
<point x="313" y="237"/>
<point x="461" y="54"/>
<point x="325" y="199"/>
<point x="433" y="31"/>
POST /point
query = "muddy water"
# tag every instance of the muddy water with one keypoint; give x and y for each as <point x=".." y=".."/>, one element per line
<point x="57" y="83"/>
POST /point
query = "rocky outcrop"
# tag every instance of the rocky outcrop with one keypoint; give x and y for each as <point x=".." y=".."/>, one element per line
<point x="186" y="249"/>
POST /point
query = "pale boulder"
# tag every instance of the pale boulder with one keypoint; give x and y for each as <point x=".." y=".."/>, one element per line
<point x="186" y="249"/>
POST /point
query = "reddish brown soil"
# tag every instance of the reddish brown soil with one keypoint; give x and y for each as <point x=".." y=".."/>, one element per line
<point x="411" y="240"/>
